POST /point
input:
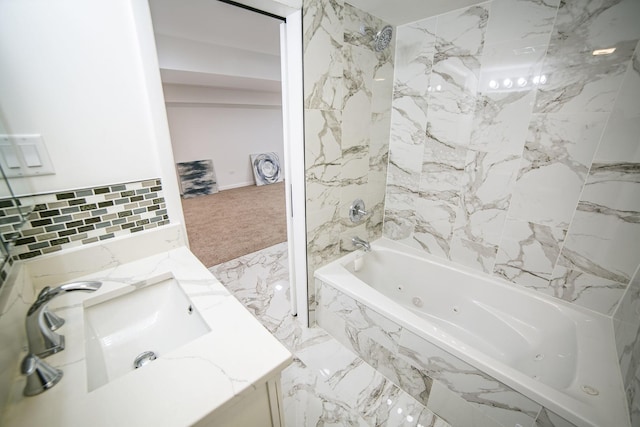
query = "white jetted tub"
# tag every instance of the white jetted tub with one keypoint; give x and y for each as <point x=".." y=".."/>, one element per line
<point x="560" y="356"/>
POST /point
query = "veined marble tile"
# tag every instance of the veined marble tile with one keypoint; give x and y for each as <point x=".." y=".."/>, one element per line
<point x="408" y="120"/>
<point x="322" y="41"/>
<point x="415" y="47"/>
<point x="304" y="404"/>
<point x="486" y="190"/>
<point x="546" y="418"/>
<point x="502" y="114"/>
<point x="405" y="164"/>
<point x="355" y="166"/>
<point x="323" y="158"/>
<point x="375" y="201"/>
<point x="577" y="80"/>
<point x="371" y="336"/>
<point x="443" y="166"/>
<point x="359" y="67"/>
<point x="348" y="393"/>
<point x="586" y="290"/>
<point x="378" y="170"/>
<point x="626" y="323"/>
<point x="437" y="208"/>
<point x="621" y="138"/>
<point x="501" y="121"/>
<point x="461" y="32"/>
<point x="354" y="21"/>
<point x="520" y="20"/>
<point x="455" y="73"/>
<point x="516" y="41"/>
<point x="356" y="319"/>
<point x="556" y="160"/>
<point x="354" y="177"/>
<point x="356" y="123"/>
<point x="326" y="383"/>
<point x="399" y="213"/>
<point x="434" y="223"/>
<point x="528" y="253"/>
<point x="452" y="101"/>
<point x="323" y="237"/>
<point x="596" y="24"/>
<point x="490" y="396"/>
<point x="473" y="254"/>
<point x="632" y="392"/>
<point x="415" y="50"/>
<point x="379" y="143"/>
<point x="456" y="410"/>
<point x="441" y="179"/>
<point x="604" y="238"/>
<point x="349" y="231"/>
<point x="382" y="88"/>
<point x="581" y="82"/>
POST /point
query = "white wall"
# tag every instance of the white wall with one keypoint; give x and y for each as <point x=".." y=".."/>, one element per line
<point x="85" y="76"/>
<point x="180" y="54"/>
<point x="188" y="94"/>
<point x="227" y="134"/>
<point x="71" y="71"/>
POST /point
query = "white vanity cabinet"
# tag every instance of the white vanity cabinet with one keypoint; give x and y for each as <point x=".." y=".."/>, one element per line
<point x="261" y="407"/>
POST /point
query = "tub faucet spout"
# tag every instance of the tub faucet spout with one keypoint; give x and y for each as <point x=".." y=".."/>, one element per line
<point x="359" y="243"/>
<point x="42" y="340"/>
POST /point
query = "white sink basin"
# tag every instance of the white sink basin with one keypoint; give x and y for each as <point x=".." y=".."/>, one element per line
<point x="154" y="316"/>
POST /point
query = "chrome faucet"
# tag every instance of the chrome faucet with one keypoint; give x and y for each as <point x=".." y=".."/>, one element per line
<point x="41" y="323"/>
<point x="359" y="243"/>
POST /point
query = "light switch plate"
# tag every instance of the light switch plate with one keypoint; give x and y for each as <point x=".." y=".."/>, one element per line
<point x="31" y="156"/>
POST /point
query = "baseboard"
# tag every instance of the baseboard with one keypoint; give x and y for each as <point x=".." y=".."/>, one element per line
<point x="238" y="185"/>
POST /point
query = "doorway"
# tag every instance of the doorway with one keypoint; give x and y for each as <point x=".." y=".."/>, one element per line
<point x="220" y="68"/>
<point x="246" y="81"/>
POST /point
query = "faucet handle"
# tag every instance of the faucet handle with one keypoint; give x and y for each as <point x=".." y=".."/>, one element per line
<point x="52" y="320"/>
<point x="40" y="375"/>
<point x="42" y="340"/>
<point x="357" y="211"/>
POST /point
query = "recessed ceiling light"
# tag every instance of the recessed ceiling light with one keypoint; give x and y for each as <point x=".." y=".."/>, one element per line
<point x="607" y="51"/>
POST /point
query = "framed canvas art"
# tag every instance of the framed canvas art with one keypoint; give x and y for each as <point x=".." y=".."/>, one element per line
<point x="266" y="168"/>
<point x="197" y="178"/>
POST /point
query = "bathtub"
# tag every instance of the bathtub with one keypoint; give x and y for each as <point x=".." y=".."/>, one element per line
<point x="557" y="356"/>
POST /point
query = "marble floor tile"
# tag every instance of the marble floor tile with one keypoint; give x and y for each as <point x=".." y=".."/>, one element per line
<point x="326" y="384"/>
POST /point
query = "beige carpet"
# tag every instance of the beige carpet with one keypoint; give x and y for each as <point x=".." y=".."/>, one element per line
<point x="236" y="222"/>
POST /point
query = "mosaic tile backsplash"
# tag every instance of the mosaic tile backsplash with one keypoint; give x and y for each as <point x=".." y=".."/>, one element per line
<point x="79" y="217"/>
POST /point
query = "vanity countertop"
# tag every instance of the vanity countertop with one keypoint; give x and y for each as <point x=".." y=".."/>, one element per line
<point x="177" y="389"/>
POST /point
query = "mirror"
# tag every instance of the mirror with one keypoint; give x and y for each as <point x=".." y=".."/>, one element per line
<point x="13" y="215"/>
<point x="13" y="211"/>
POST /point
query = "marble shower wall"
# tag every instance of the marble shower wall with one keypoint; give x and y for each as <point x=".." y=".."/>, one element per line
<point x="626" y="322"/>
<point x="347" y="90"/>
<point x="536" y="181"/>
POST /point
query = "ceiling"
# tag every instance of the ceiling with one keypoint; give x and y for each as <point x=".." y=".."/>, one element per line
<point x="217" y="24"/>
<point x="221" y="24"/>
<point x="214" y="22"/>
